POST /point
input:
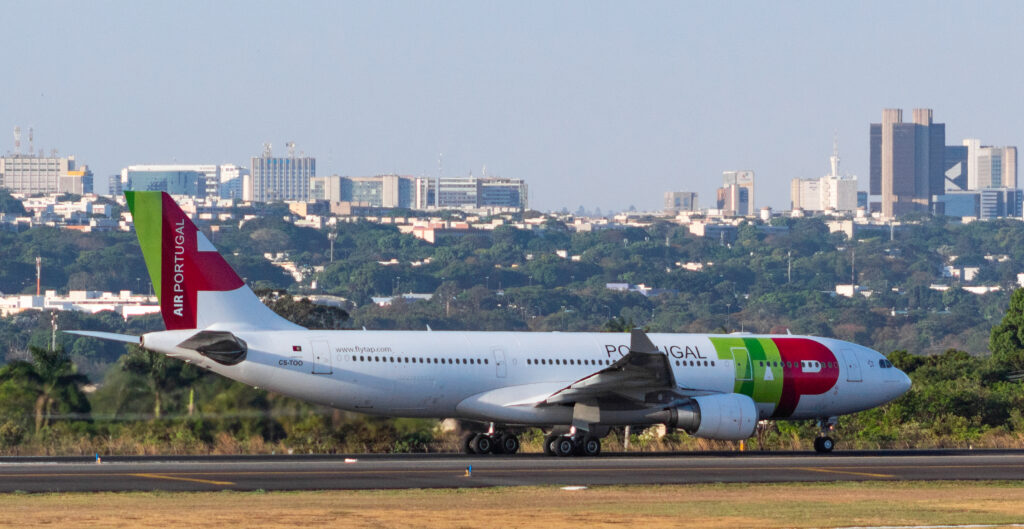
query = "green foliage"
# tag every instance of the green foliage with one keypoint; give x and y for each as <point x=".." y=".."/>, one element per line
<point x="9" y="204"/>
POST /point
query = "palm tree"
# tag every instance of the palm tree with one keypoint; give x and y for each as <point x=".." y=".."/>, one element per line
<point x="52" y="380"/>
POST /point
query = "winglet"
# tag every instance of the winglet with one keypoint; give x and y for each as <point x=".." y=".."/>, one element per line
<point x="640" y="343"/>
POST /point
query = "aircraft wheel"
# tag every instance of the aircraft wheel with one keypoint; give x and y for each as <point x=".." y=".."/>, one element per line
<point x="591" y="446"/>
<point x="824" y="445"/>
<point x="549" y="445"/>
<point x="509" y="443"/>
<point x="564" y="446"/>
<point x="467" y="443"/>
<point x="483" y="444"/>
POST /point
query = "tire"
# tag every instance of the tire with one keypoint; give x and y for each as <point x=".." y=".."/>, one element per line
<point x="549" y="445"/>
<point x="509" y="443"/>
<point x="591" y="446"/>
<point x="467" y="443"/>
<point x="483" y="444"/>
<point x="564" y="446"/>
<point x="824" y="445"/>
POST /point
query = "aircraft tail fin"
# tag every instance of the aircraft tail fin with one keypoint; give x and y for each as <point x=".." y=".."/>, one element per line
<point x="197" y="288"/>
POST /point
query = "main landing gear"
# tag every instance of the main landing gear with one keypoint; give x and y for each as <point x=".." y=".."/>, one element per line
<point x="490" y="442"/>
<point x="572" y="445"/>
<point x="824" y="444"/>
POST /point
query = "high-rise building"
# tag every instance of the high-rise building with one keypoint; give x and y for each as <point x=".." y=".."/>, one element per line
<point x="734" y="200"/>
<point x="908" y="161"/>
<point x="274" y="179"/>
<point x="990" y="166"/>
<point x="743" y="200"/>
<point x="830" y="192"/>
<point x="114" y="187"/>
<point x="31" y="174"/>
<point x="805" y="194"/>
<point x="677" y="201"/>
<point x="956" y="168"/>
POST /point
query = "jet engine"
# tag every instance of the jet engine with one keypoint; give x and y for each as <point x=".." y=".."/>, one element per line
<point x="730" y="416"/>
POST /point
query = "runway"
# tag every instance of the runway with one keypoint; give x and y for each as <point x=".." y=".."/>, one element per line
<point x="198" y="473"/>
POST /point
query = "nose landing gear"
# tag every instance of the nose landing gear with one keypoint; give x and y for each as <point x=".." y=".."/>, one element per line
<point x="824" y="444"/>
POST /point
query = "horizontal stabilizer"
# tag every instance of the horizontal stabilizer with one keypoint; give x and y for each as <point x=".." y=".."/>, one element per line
<point x="111" y="336"/>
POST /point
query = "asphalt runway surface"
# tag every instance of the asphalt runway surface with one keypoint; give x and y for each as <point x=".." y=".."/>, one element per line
<point x="212" y="473"/>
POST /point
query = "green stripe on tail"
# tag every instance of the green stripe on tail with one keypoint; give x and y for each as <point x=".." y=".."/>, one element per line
<point x="147" y="214"/>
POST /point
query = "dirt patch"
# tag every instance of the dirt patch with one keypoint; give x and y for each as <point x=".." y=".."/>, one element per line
<point x="712" y="506"/>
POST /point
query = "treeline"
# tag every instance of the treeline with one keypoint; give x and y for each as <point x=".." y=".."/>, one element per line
<point x="510" y="279"/>
<point x="149" y="403"/>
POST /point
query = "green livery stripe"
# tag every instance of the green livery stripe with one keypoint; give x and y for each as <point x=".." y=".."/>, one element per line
<point x="754" y="377"/>
<point x="147" y="214"/>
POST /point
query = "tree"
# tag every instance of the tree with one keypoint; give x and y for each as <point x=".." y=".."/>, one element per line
<point x="50" y="380"/>
<point x="1007" y="338"/>
<point x="156" y="368"/>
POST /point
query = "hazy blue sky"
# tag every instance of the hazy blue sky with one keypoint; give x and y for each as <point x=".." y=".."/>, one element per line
<point x="594" y="103"/>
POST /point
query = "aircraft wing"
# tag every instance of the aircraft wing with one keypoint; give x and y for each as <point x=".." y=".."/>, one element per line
<point x="643" y="376"/>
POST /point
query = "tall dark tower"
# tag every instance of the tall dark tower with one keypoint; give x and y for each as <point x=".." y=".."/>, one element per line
<point x="907" y="161"/>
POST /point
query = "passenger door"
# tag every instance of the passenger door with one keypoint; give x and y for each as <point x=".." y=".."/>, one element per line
<point x="321" y="357"/>
<point x="741" y="356"/>
<point x="499" y="361"/>
<point x="852" y="365"/>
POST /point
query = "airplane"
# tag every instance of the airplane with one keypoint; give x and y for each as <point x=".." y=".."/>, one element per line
<point x="576" y="386"/>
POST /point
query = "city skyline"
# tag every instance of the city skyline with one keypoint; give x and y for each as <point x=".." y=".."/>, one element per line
<point x="591" y="104"/>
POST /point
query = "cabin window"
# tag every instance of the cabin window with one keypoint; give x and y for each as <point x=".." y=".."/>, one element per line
<point x="486" y="361"/>
<point x="712" y="363"/>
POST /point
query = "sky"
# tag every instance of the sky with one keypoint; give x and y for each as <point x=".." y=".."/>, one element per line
<point x="599" y="104"/>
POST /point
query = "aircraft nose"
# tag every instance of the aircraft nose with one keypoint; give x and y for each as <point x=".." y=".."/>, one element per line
<point x="904" y="383"/>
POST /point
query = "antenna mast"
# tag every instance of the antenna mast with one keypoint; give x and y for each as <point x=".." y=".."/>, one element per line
<point x="834" y="160"/>
<point x="17" y="140"/>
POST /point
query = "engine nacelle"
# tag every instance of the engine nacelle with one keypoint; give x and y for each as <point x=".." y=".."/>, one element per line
<point x="727" y="417"/>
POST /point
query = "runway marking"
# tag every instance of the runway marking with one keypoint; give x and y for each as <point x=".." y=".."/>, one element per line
<point x="182" y="476"/>
<point x="177" y="478"/>
<point x="833" y="471"/>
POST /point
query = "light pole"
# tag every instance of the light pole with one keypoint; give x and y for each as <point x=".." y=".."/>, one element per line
<point x="331" y="236"/>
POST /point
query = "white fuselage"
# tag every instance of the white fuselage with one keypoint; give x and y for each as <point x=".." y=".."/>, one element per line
<point x="501" y="376"/>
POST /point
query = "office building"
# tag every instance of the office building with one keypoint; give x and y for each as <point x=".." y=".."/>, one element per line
<point x="989" y="166"/>
<point x="214" y="181"/>
<point x="173" y="181"/>
<point x="276" y="179"/>
<point x="231" y="178"/>
<point x="957" y="203"/>
<point x="114" y="187"/>
<point x="1000" y="202"/>
<point x="737" y="201"/>
<point x="907" y="161"/>
<point x="805" y="194"/>
<point x="381" y="191"/>
<point x="470" y="193"/>
<point x="680" y="201"/>
<point x="733" y="200"/>
<point x="31" y="174"/>
<point x="956" y="168"/>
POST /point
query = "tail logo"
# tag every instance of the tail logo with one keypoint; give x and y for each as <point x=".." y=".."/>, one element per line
<point x="192" y="265"/>
<point x="179" y="269"/>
